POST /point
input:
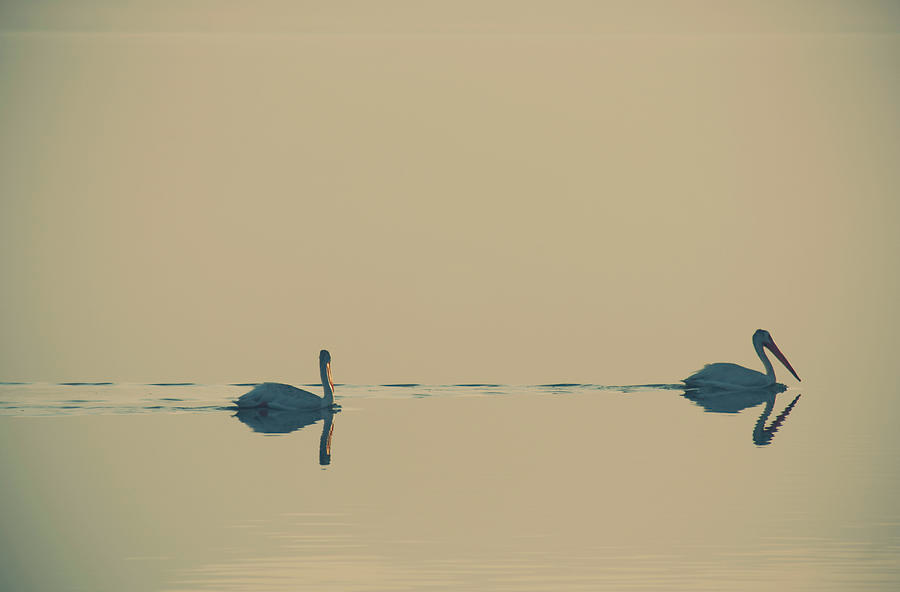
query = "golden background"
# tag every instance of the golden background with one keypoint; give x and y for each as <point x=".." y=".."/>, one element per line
<point x="444" y="192"/>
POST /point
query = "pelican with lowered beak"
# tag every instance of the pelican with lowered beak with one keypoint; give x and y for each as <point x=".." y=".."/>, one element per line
<point x="727" y="376"/>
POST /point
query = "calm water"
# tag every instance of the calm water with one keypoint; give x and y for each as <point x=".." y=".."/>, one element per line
<point x="412" y="487"/>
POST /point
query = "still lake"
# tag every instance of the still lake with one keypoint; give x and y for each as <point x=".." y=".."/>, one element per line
<point x="416" y="487"/>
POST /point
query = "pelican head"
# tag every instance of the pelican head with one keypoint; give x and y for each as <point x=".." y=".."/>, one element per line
<point x="324" y="357"/>
<point x="763" y="339"/>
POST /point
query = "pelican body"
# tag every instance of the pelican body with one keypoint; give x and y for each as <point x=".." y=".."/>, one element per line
<point x="284" y="397"/>
<point x="725" y="376"/>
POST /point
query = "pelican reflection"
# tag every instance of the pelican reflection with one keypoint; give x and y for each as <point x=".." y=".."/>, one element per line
<point x="280" y="421"/>
<point x="762" y="435"/>
<point x="728" y="401"/>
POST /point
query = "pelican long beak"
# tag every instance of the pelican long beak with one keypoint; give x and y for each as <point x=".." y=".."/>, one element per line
<point x="774" y="349"/>
<point x="331" y="380"/>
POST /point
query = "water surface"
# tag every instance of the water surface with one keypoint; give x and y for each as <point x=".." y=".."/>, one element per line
<point x="410" y="487"/>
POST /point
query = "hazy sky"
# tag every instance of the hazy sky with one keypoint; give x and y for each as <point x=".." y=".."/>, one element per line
<point x="443" y="192"/>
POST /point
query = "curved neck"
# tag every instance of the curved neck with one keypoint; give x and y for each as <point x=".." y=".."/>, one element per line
<point x="770" y="371"/>
<point x="325" y="373"/>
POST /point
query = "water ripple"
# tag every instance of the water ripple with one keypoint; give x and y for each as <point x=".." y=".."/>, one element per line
<point x="74" y="398"/>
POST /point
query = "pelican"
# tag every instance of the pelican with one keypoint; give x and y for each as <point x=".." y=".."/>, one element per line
<point x="285" y="397"/>
<point x="727" y="376"/>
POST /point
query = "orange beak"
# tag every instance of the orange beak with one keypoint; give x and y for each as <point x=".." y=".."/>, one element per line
<point x="331" y="380"/>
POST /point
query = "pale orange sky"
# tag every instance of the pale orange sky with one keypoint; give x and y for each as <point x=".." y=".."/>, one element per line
<point x="504" y="192"/>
